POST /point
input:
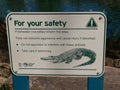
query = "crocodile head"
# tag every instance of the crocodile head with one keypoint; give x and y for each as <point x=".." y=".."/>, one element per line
<point x="49" y="58"/>
<point x="53" y="59"/>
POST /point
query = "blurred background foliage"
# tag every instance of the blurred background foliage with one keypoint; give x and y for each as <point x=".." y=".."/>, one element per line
<point x="110" y="7"/>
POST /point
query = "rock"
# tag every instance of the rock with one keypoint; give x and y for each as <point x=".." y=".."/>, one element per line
<point x="5" y="70"/>
<point x="4" y="65"/>
<point x="4" y="56"/>
<point x="117" y="63"/>
<point x="109" y="62"/>
<point x="9" y="82"/>
<point x="6" y="83"/>
<point x="5" y="74"/>
<point x="3" y="36"/>
<point x="2" y="80"/>
<point x="112" y="62"/>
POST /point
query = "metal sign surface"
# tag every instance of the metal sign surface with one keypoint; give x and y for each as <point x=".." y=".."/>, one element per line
<point x="57" y="44"/>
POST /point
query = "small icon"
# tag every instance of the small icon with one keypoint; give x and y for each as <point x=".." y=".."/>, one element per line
<point x="25" y="64"/>
<point x="100" y="18"/>
<point x="10" y="18"/>
<point x="91" y="23"/>
<point x="98" y="73"/>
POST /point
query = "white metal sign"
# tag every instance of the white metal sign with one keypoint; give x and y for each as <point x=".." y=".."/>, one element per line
<point x="57" y="44"/>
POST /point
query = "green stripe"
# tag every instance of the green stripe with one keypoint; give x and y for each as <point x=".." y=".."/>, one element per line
<point x="56" y="69"/>
<point x="55" y="28"/>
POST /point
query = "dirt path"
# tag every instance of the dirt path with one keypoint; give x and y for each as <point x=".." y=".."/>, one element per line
<point x="112" y="78"/>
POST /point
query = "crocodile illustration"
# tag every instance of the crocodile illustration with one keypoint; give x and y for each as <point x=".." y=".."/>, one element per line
<point x="73" y="54"/>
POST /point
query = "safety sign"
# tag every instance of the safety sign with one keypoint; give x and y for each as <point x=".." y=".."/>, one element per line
<point x="57" y="44"/>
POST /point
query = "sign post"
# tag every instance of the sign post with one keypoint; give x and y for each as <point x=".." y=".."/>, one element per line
<point x="57" y="44"/>
<point x="96" y="83"/>
<point x="20" y="82"/>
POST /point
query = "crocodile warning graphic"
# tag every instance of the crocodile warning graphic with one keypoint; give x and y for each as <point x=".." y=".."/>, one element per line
<point x="75" y="54"/>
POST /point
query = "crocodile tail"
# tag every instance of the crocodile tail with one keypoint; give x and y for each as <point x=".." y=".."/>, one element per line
<point x="92" y="60"/>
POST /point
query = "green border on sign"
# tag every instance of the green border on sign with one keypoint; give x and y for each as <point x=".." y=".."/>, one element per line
<point x="58" y="13"/>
